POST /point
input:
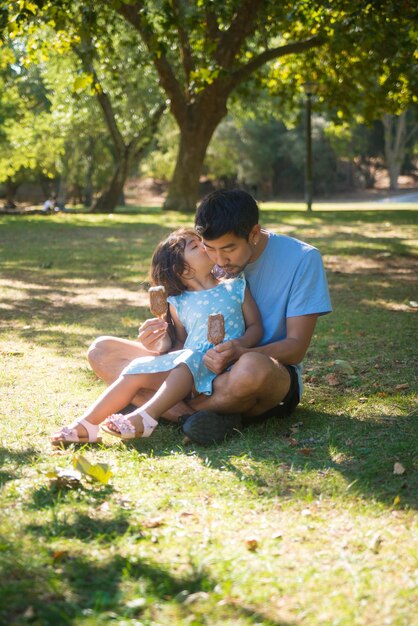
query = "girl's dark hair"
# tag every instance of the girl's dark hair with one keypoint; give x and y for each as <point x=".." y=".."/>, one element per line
<point x="168" y="264"/>
<point x="226" y="211"/>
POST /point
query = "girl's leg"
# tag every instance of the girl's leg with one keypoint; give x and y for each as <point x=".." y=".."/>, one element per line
<point x="176" y="387"/>
<point x="115" y="397"/>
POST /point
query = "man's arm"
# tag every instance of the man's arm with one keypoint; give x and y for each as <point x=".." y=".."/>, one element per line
<point x="289" y="351"/>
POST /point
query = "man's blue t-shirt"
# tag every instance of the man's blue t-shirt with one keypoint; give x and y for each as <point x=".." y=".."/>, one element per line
<point x="287" y="280"/>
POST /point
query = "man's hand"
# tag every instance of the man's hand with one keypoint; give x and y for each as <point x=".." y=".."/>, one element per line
<point x="217" y="359"/>
<point x="153" y="335"/>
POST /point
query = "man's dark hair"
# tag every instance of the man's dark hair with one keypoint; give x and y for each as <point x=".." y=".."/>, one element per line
<point x="228" y="211"/>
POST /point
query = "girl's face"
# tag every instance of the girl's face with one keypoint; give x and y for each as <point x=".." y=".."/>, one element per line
<point x="196" y="258"/>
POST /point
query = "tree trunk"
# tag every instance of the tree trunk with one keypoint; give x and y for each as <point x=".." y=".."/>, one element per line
<point x="11" y="188"/>
<point x="110" y="198"/>
<point x="395" y="145"/>
<point x="195" y="137"/>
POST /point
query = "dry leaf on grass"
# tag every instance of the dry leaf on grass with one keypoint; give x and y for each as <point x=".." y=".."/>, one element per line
<point x="306" y="451"/>
<point x="402" y="386"/>
<point x="153" y="522"/>
<point x="332" y="380"/>
<point x="344" y="367"/>
<point x="399" y="469"/>
<point x="99" y="471"/>
<point x="251" y="543"/>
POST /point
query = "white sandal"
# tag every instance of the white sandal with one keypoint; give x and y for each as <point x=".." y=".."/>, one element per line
<point x="68" y="434"/>
<point x="125" y="428"/>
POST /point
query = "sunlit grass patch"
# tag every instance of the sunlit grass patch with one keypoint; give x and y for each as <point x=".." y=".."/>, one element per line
<point x="310" y="520"/>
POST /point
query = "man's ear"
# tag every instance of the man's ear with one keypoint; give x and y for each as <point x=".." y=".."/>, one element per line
<point x="255" y="234"/>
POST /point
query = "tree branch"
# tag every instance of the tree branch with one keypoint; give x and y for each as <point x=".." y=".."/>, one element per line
<point x="167" y="78"/>
<point x="186" y="51"/>
<point x="212" y="26"/>
<point x="148" y="135"/>
<point x="104" y="101"/>
<point x="242" y="25"/>
<point x="273" y="53"/>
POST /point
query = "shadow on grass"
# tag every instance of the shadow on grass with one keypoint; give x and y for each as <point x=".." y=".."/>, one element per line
<point x="84" y="528"/>
<point x="363" y="453"/>
<point x="324" y="449"/>
<point x="16" y="458"/>
<point x="70" y="587"/>
<point x="48" y="496"/>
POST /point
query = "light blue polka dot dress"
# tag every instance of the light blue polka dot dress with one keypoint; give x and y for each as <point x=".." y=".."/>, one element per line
<point x="193" y="309"/>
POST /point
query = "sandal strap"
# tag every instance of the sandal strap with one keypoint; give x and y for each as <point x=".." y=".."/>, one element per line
<point x="150" y="424"/>
<point x="92" y="429"/>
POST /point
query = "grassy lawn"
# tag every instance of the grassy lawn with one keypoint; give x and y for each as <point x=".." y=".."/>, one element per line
<point x="304" y="521"/>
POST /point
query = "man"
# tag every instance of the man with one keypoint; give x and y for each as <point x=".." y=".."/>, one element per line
<point x="288" y="282"/>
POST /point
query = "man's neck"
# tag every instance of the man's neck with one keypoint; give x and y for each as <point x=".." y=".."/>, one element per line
<point x="258" y="248"/>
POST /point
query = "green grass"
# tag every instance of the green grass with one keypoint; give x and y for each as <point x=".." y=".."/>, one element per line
<point x="297" y="522"/>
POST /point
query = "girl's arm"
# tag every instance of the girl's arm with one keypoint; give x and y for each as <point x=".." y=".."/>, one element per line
<point x="253" y="324"/>
<point x="218" y="358"/>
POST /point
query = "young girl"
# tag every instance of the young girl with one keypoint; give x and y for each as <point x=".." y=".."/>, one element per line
<point x="181" y="265"/>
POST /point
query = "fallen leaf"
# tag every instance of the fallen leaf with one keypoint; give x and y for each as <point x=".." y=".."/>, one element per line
<point x="99" y="471"/>
<point x="198" y="596"/>
<point x="376" y="543"/>
<point x="64" y="479"/>
<point x="399" y="469"/>
<point x="59" y="554"/>
<point x="293" y="442"/>
<point x="402" y="386"/>
<point x="153" y="523"/>
<point x="344" y="366"/>
<point x="136" y="603"/>
<point x="332" y="380"/>
<point x="29" y="613"/>
<point x="396" y="500"/>
<point x="251" y="543"/>
<point x="278" y="535"/>
<point x="306" y="451"/>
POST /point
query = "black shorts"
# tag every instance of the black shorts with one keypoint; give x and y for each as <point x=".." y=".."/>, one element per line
<point x="285" y="407"/>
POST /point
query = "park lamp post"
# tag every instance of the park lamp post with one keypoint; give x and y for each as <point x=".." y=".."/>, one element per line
<point x="309" y="89"/>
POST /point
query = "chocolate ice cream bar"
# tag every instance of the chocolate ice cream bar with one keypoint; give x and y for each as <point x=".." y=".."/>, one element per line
<point x="216" y="328"/>
<point x="157" y="300"/>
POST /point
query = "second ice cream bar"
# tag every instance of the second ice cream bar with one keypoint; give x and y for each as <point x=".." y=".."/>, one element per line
<point x="157" y="300"/>
<point x="216" y="328"/>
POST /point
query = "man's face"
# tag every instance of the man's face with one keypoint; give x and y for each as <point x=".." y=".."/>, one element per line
<point x="230" y="252"/>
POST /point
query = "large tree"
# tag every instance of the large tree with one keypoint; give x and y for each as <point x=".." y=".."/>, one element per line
<point x="204" y="50"/>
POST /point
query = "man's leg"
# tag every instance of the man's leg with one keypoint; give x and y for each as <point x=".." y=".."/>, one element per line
<point x="108" y="356"/>
<point x="254" y="385"/>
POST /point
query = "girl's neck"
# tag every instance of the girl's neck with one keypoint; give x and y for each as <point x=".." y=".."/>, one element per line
<point x="199" y="283"/>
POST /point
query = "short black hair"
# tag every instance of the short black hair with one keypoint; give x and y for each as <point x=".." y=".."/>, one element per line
<point x="226" y="211"/>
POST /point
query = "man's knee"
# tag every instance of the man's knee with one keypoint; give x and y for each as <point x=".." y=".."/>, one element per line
<point x="98" y="349"/>
<point x="250" y="374"/>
